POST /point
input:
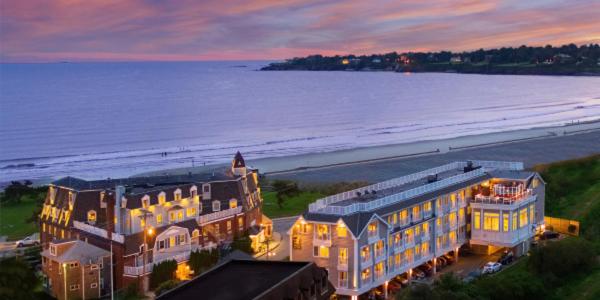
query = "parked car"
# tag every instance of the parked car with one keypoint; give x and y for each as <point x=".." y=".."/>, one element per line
<point x="418" y="274"/>
<point x="449" y="259"/>
<point x="28" y="241"/>
<point x="548" y="235"/>
<point x="506" y="258"/>
<point x="402" y="279"/>
<point x="491" y="267"/>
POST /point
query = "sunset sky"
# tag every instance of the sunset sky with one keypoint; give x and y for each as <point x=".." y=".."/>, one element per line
<point x="41" y="31"/>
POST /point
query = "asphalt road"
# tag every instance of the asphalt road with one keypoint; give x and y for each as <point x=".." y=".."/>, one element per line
<point x="531" y="152"/>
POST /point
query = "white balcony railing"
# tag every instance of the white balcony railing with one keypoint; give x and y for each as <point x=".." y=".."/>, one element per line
<point x="139" y="270"/>
<point x="203" y="219"/>
<point x="119" y="238"/>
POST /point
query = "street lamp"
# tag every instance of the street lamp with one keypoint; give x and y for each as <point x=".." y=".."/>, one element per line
<point x="147" y="232"/>
<point x="64" y="265"/>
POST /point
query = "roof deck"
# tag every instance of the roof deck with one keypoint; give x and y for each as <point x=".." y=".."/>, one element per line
<point x="398" y="189"/>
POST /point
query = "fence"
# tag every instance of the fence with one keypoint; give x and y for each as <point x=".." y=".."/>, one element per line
<point x="565" y="226"/>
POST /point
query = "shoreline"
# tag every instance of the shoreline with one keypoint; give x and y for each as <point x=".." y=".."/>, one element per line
<point x="276" y="166"/>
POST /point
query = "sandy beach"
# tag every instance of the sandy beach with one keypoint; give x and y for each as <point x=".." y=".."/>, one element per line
<point x="533" y="146"/>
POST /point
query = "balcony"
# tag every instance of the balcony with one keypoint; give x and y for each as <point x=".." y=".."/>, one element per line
<point x="507" y="239"/>
<point x="119" y="238"/>
<point x="139" y="270"/>
<point x="504" y="202"/>
<point x="204" y="219"/>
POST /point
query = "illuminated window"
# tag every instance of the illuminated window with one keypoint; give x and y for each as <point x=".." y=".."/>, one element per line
<point x="191" y="211"/>
<point x="241" y="223"/>
<point x="379" y="248"/>
<point x="523" y="217"/>
<point x="379" y="270"/>
<point x="193" y="192"/>
<point x="232" y="203"/>
<point x="505" y="222"/>
<point x="409" y="235"/>
<point x="146" y="201"/>
<point x="322" y="232"/>
<point x="404" y="216"/>
<point x="491" y="221"/>
<point x="365" y="253"/>
<point x="162" y="198"/>
<point x="425" y="248"/>
<point x="177" y="194"/>
<point x="514" y="221"/>
<point x="43" y="227"/>
<point x="321" y="251"/>
<point x="372" y="229"/>
<point x="365" y="275"/>
<point x="341" y="230"/>
<point x="427" y="206"/>
<point x="62" y="233"/>
<point x="461" y="214"/>
<point x="397" y="259"/>
<point x="91" y="216"/>
<point x="476" y="220"/>
<point x="195" y="233"/>
<point x="216" y="205"/>
<point x="229" y="227"/>
<point x="425" y="228"/>
<point x="159" y="219"/>
<point x="532" y="213"/>
<point x="453" y="200"/>
<point x="172" y="216"/>
<point x="417" y="250"/>
<point x="417" y="230"/>
<point x="343" y="256"/>
<point x="343" y="279"/>
<point x="416" y="212"/>
<point x="180" y="215"/>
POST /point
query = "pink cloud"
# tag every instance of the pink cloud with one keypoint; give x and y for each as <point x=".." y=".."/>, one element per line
<point x="93" y="30"/>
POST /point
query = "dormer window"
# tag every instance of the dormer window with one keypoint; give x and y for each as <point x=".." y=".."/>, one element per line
<point x="216" y="205"/>
<point x="123" y="202"/>
<point x="146" y="201"/>
<point x="102" y="199"/>
<point x="177" y="194"/>
<point x="91" y="216"/>
<point x="71" y="200"/>
<point x="51" y="194"/>
<point x="193" y="192"/>
<point x="206" y="188"/>
<point x="232" y="203"/>
<point x="162" y="198"/>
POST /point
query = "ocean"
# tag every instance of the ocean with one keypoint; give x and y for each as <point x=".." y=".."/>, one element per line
<point x="98" y="120"/>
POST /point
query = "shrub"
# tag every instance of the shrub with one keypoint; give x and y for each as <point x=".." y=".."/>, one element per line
<point x="17" y="279"/>
<point x="165" y="286"/>
<point x="203" y="260"/>
<point x="515" y="286"/>
<point x="242" y="243"/>
<point x="162" y="272"/>
<point x="559" y="259"/>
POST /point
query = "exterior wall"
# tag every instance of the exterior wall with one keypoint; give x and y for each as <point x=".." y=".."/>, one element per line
<point x="90" y="280"/>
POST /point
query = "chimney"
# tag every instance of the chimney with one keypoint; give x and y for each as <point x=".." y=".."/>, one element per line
<point x="119" y="193"/>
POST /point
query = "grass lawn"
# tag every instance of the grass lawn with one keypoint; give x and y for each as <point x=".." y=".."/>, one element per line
<point x="291" y="206"/>
<point x="584" y="288"/>
<point x="13" y="219"/>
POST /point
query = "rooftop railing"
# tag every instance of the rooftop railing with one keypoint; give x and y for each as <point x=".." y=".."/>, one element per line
<point x="503" y="200"/>
<point x="325" y="205"/>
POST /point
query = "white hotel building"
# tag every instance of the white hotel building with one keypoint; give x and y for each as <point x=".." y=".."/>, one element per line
<point x="367" y="236"/>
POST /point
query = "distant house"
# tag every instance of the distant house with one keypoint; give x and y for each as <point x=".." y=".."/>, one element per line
<point x="562" y="58"/>
<point x="467" y="59"/>
<point x="345" y="61"/>
<point x="404" y="59"/>
<point x="456" y="59"/>
<point x="253" y="279"/>
<point x="376" y="60"/>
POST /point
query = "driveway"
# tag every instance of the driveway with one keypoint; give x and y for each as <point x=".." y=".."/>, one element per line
<point x="281" y="226"/>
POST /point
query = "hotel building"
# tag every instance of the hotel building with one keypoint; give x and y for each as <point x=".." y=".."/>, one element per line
<point x="367" y="236"/>
<point x="143" y="221"/>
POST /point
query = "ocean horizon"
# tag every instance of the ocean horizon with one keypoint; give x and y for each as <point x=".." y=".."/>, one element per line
<point x="98" y="120"/>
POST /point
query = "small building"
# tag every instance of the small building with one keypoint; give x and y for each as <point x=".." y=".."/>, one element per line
<point x="74" y="269"/>
<point x="252" y="279"/>
<point x="456" y="59"/>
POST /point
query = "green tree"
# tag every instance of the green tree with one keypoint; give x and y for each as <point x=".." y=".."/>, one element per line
<point x="17" y="280"/>
<point x="162" y="272"/>
<point x="285" y="189"/>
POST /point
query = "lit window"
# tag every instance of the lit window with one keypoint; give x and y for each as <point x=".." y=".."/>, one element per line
<point x="514" y="221"/>
<point x="532" y="213"/>
<point x="343" y="280"/>
<point x="403" y="216"/>
<point x="228" y="226"/>
<point x="191" y="212"/>
<point x="146" y="201"/>
<point x="416" y="212"/>
<point x="477" y="220"/>
<point x="491" y="221"/>
<point x="195" y="233"/>
<point x="365" y="275"/>
<point x="343" y="256"/>
<point x="162" y="198"/>
<point x="341" y="230"/>
<point x="461" y="214"/>
<point x="427" y="206"/>
<point x="216" y="205"/>
<point x="43" y="227"/>
<point x="365" y="253"/>
<point x="232" y="203"/>
<point x="177" y="195"/>
<point x="425" y="248"/>
<point x="425" y="228"/>
<point x="322" y="232"/>
<point x="193" y="192"/>
<point x="523" y="217"/>
<point x="241" y="223"/>
<point x="373" y="229"/>
<point x="180" y="215"/>
<point x="91" y="216"/>
<point x="172" y="216"/>
<point x="321" y="251"/>
<point x="505" y="222"/>
<point x="159" y="218"/>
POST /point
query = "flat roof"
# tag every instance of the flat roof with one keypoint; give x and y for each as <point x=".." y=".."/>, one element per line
<point x="236" y="280"/>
